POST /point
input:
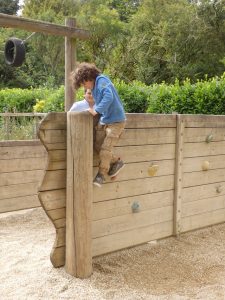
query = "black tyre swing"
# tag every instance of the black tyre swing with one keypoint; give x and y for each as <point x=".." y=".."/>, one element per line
<point x="14" y="52"/>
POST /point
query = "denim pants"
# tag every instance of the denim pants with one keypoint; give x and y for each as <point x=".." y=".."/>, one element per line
<point x="106" y="137"/>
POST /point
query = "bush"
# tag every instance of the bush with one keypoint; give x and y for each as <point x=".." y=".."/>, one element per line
<point x="134" y="96"/>
<point x="55" y="101"/>
<point x="20" y="100"/>
<point x="204" y="97"/>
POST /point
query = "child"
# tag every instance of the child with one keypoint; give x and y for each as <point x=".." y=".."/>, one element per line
<point x="112" y="116"/>
<point x="84" y="104"/>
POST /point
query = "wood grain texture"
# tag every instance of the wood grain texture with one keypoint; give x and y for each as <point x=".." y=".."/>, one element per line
<point x="79" y="194"/>
<point x="52" y="192"/>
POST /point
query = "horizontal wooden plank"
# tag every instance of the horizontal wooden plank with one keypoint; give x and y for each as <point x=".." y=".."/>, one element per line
<point x="18" y="190"/>
<point x="20" y="143"/>
<point x="204" y="120"/>
<point x="60" y="237"/>
<point x="21" y="177"/>
<point x="203" y="177"/>
<point x="54" y="136"/>
<point x="143" y="153"/>
<point x="54" y="117"/>
<point x="202" y="206"/>
<point x="133" y="188"/>
<point x="57" y="155"/>
<point x="203" y="191"/>
<point x="57" y="256"/>
<point x="122" y="206"/>
<point x="60" y="223"/>
<point x="56" y="165"/>
<point x="148" y="136"/>
<point x="22" y="152"/>
<point x="18" y="203"/>
<point x="197" y="163"/>
<point x="193" y="135"/>
<point x="146" y="152"/>
<point x="54" y="180"/>
<point x="23" y="164"/>
<point x="131" y="221"/>
<point x="204" y="149"/>
<point x="203" y="220"/>
<point x="53" y="199"/>
<point x="56" y="146"/>
<point x="150" y="120"/>
<point x="55" y="214"/>
<point x="44" y="27"/>
<point x="54" y="125"/>
<point x="125" y="239"/>
<point x="143" y="169"/>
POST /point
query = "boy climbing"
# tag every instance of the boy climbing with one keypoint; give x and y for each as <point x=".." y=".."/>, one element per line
<point x="112" y="116"/>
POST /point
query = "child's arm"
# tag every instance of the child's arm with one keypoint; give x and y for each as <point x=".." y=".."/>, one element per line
<point x="92" y="111"/>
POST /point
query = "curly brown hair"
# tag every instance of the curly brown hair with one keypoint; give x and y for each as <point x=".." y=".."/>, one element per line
<point x="84" y="72"/>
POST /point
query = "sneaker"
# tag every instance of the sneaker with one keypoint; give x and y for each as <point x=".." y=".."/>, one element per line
<point x="99" y="179"/>
<point x="116" y="168"/>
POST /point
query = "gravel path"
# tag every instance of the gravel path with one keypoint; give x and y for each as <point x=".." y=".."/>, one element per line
<point x="192" y="267"/>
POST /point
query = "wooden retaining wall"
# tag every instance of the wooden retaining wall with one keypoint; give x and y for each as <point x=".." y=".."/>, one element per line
<point x="22" y="165"/>
<point x="173" y="182"/>
<point x="203" y="182"/>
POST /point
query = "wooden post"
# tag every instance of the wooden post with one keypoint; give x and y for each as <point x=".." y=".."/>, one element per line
<point x="178" y="175"/>
<point x="79" y="194"/>
<point x="70" y="58"/>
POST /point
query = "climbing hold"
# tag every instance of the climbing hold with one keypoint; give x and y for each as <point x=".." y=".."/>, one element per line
<point x="152" y="170"/>
<point x="209" y="138"/>
<point x="135" y="207"/>
<point x="205" y="165"/>
<point x="219" y="189"/>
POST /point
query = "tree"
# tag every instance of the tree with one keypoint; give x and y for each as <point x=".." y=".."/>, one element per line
<point x="45" y="55"/>
<point x="9" y="7"/>
<point x="106" y="32"/>
<point x="170" y="39"/>
<point x="125" y="8"/>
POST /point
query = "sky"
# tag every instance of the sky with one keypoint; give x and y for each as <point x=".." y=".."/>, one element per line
<point x="20" y="3"/>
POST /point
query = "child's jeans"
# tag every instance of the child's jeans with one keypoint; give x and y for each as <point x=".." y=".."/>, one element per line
<point x="107" y="136"/>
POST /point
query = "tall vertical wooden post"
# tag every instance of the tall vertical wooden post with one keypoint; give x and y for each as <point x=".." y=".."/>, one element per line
<point x="70" y="58"/>
<point x="178" y="175"/>
<point x="79" y="194"/>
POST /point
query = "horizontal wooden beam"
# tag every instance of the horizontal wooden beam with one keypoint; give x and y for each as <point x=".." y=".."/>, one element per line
<point x="41" y="26"/>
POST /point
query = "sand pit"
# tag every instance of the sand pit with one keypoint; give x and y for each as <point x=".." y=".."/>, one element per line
<point x="192" y="267"/>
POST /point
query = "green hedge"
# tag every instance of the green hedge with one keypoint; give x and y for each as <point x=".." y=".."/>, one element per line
<point x="20" y="100"/>
<point x="203" y="97"/>
<point x="134" y="96"/>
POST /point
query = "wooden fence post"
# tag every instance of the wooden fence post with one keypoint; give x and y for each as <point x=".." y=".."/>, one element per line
<point x="70" y="58"/>
<point x="79" y="194"/>
<point x="178" y="175"/>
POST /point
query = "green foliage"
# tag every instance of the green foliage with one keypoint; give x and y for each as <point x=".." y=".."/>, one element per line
<point x="54" y="100"/>
<point x="20" y="100"/>
<point x="202" y="97"/>
<point x="9" y="7"/>
<point x="134" y="96"/>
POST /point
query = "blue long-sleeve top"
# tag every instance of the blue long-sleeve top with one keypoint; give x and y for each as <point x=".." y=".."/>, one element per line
<point x="107" y="101"/>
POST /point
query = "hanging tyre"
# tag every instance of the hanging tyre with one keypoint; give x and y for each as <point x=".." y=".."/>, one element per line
<point x="14" y="52"/>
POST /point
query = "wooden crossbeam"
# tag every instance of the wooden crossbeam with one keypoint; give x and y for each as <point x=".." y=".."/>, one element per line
<point x="41" y="26"/>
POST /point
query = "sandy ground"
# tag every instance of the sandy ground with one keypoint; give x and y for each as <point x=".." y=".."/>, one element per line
<point x="192" y="267"/>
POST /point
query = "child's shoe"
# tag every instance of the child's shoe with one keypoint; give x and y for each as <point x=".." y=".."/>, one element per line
<point x="99" y="179"/>
<point x="116" y="168"/>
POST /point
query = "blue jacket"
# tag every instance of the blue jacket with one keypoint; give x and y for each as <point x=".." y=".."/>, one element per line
<point x="107" y="101"/>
